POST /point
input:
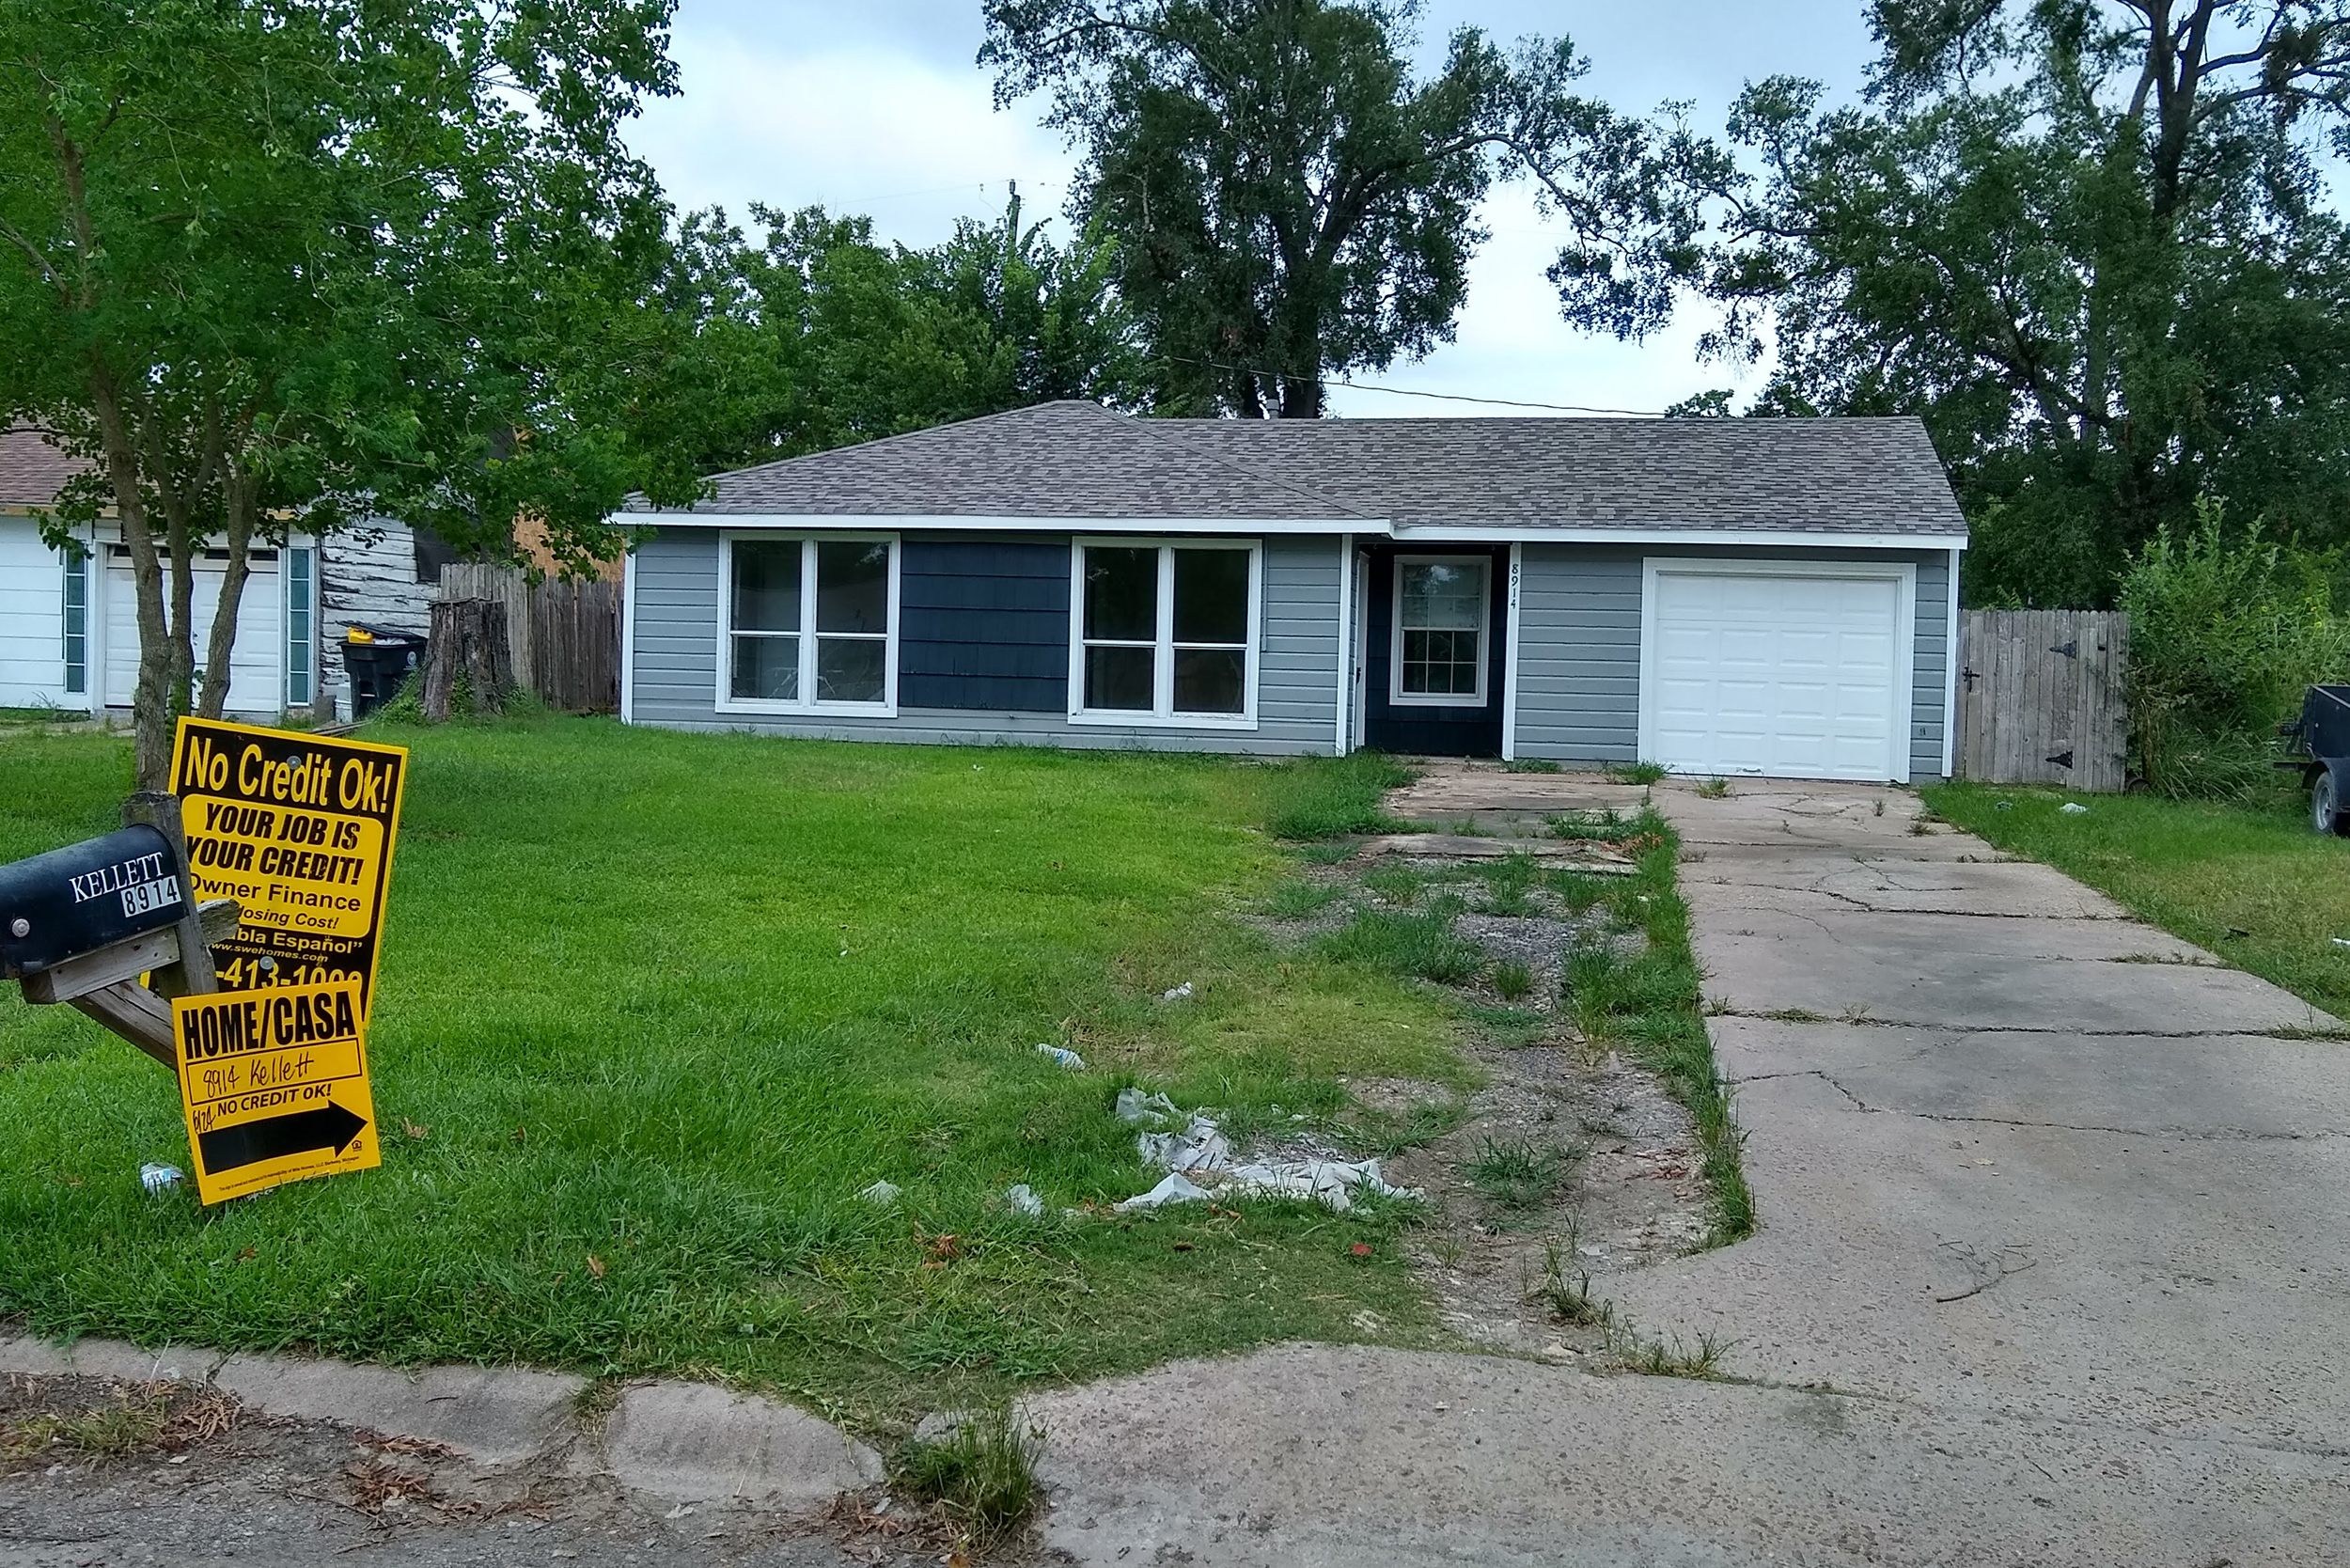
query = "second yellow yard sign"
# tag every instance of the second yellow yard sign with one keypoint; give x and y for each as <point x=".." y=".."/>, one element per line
<point x="299" y="830"/>
<point x="274" y="1085"/>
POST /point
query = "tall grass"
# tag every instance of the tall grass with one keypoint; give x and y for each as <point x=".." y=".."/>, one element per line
<point x="1328" y="797"/>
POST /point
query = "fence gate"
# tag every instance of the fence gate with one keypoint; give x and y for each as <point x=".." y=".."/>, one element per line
<point x="2040" y="698"/>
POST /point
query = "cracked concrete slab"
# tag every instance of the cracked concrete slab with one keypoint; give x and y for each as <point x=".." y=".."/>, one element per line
<point x="1814" y="880"/>
<point x="2198" y="1086"/>
<point x="2190" y="1286"/>
<point x="1306" y="1457"/>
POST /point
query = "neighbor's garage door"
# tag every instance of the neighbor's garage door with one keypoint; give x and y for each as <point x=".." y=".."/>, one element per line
<point x="1776" y="670"/>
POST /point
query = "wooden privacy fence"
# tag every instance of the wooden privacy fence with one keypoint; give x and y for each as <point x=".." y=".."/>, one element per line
<point x="2040" y="698"/>
<point x="564" y="636"/>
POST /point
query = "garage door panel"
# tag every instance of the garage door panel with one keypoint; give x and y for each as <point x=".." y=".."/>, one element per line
<point x="1777" y="673"/>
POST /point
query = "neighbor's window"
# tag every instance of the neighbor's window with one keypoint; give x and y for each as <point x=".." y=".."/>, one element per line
<point x="1440" y="630"/>
<point x="300" y="652"/>
<point x="76" y="620"/>
<point x="1165" y="630"/>
<point x="809" y="622"/>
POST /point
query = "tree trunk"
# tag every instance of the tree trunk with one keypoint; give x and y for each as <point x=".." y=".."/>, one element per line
<point x="468" y="642"/>
<point x="151" y="716"/>
<point x="220" y="647"/>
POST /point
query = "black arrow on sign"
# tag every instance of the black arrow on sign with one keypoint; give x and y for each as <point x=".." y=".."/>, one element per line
<point x="251" y="1142"/>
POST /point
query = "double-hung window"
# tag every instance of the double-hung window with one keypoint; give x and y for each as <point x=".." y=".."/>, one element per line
<point x="1164" y="633"/>
<point x="810" y="624"/>
<point x="1441" y="606"/>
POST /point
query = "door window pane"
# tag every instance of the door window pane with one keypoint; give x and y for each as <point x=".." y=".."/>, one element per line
<point x="1119" y="677"/>
<point x="850" y="669"/>
<point x="1440" y="607"/>
<point x="766" y="586"/>
<point x="1210" y="680"/>
<point x="1122" y="595"/>
<point x="766" y="670"/>
<point x="852" y="589"/>
<point x="1212" y="597"/>
<point x="76" y="620"/>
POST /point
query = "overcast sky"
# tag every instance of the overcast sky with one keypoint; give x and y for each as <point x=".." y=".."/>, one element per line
<point x="877" y="107"/>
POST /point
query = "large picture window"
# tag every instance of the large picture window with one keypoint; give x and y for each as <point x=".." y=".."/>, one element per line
<point x="1440" y="621"/>
<point x="810" y="624"/>
<point x="1166" y="633"/>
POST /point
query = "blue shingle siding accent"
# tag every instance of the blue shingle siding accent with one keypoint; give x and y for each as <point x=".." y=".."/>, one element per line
<point x="674" y="680"/>
<point x="1579" y="647"/>
<point x="983" y="624"/>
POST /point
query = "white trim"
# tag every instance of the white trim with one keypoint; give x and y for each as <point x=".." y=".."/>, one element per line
<point x="726" y="703"/>
<point x="628" y="636"/>
<point x="1510" y="660"/>
<point x="1950" y="673"/>
<point x="1763" y="538"/>
<point x="1396" y="696"/>
<point x="1338" y="737"/>
<point x="1497" y="533"/>
<point x="953" y="523"/>
<point x="1163" y="714"/>
<point x="1903" y="574"/>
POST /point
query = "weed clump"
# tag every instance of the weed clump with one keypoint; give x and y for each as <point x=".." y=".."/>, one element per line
<point x="1422" y="946"/>
<point x="981" y="1476"/>
<point x="1328" y="797"/>
<point x="1519" y="1173"/>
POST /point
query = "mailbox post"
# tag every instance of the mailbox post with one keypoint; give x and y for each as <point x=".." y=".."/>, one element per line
<point x="80" y="924"/>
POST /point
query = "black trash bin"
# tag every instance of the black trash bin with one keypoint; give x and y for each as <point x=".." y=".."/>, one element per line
<point x="378" y="667"/>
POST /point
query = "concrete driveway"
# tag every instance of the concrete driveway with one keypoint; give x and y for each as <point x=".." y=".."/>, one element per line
<point x="2052" y="1268"/>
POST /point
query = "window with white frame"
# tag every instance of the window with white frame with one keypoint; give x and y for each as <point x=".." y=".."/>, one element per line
<point x="1165" y="630"/>
<point x="1441" y="606"/>
<point x="811" y="622"/>
<point x="301" y="646"/>
<point x="76" y="620"/>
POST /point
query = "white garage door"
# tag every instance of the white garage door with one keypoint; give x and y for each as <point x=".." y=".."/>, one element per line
<point x="255" y="664"/>
<point x="1778" y="671"/>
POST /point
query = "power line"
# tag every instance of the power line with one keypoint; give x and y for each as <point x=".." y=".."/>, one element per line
<point x="1414" y="392"/>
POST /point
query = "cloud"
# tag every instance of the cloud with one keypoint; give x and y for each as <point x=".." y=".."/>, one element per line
<point x="849" y="125"/>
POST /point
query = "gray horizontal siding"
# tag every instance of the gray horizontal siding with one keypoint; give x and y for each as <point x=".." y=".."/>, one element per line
<point x="674" y="663"/>
<point x="1579" y="647"/>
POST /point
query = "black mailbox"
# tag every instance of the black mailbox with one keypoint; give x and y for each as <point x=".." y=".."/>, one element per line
<point x="86" y="896"/>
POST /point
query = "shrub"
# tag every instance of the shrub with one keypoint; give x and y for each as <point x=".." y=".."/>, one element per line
<point x="2225" y="633"/>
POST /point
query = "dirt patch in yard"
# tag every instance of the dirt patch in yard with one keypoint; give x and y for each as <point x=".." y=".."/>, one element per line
<point x="1572" y="1162"/>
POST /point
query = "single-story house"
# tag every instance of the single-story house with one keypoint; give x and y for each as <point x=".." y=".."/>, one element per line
<point x="1769" y="597"/>
<point x="69" y="620"/>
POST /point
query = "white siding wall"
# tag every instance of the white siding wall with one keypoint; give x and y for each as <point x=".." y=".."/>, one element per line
<point x="32" y="620"/>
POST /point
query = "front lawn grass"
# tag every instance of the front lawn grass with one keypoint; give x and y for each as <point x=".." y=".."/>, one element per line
<point x="655" y="1008"/>
<point x="2249" y="882"/>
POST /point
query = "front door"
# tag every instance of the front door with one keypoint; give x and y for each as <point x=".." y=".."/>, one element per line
<point x="1435" y="621"/>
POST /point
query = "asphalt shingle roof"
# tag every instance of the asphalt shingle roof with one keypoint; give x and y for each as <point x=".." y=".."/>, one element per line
<point x="31" y="470"/>
<point x="1078" y="461"/>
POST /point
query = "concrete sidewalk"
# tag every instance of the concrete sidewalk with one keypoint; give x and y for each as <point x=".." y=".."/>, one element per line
<point x="2051" y="1269"/>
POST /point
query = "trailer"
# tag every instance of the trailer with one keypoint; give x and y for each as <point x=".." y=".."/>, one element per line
<point x="2318" y="743"/>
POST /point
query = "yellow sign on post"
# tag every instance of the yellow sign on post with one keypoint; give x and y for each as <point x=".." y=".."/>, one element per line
<point x="274" y="1085"/>
<point x="299" y="830"/>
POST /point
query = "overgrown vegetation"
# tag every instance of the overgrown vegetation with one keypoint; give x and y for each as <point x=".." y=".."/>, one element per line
<point x="981" y="1476"/>
<point x="1421" y="946"/>
<point x="1328" y="797"/>
<point x="2227" y="628"/>
<point x="1649" y="1004"/>
<point x="1519" y="1173"/>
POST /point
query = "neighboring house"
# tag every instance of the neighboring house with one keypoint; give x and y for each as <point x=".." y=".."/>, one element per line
<point x="1724" y="596"/>
<point x="69" y="621"/>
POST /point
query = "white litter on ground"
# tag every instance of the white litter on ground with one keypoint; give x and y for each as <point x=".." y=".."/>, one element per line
<point x="1064" y="1056"/>
<point x="1198" y="1162"/>
<point x="1176" y="994"/>
<point x="2072" y="808"/>
<point x="881" y="1194"/>
<point x="155" y="1178"/>
<point x="1022" y="1199"/>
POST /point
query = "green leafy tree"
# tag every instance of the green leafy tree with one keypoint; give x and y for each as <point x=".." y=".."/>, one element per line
<point x="2087" y="239"/>
<point x="267" y="261"/>
<point x="1289" y="202"/>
